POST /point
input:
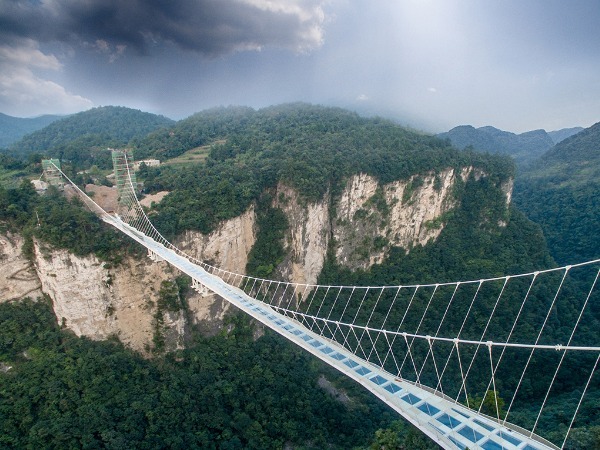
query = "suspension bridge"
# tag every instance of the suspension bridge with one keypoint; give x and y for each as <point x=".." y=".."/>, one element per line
<point x="476" y="364"/>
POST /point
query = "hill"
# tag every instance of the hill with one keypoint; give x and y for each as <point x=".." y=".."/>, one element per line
<point x="317" y="152"/>
<point x="561" y="192"/>
<point x="83" y="137"/>
<point x="14" y="128"/>
<point x="522" y="147"/>
<point x="560" y="135"/>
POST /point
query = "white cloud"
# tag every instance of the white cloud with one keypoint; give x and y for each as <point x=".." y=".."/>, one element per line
<point x="23" y="93"/>
<point x="27" y="54"/>
<point x="362" y="98"/>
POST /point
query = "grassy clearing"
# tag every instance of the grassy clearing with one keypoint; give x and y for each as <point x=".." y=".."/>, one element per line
<point x="195" y="155"/>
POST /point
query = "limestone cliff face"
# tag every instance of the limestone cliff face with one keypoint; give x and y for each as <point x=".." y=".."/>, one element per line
<point x="366" y="220"/>
<point x="227" y="248"/>
<point x="95" y="300"/>
<point x="18" y="278"/>
<point x="370" y="218"/>
<point x="307" y="238"/>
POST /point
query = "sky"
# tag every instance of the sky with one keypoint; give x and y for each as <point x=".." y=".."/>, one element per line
<point x="518" y="65"/>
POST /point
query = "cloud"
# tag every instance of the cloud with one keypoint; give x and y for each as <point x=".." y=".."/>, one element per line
<point x="23" y="93"/>
<point x="208" y="27"/>
<point x="113" y="52"/>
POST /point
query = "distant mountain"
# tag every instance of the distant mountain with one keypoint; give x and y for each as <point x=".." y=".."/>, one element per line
<point x="14" y="128"/>
<point x="561" y="192"/>
<point x="522" y="147"/>
<point x="560" y="135"/>
<point x="580" y="151"/>
<point x="83" y="137"/>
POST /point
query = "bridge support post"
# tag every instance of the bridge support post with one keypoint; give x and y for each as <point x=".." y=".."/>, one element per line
<point x="154" y="257"/>
<point x="199" y="287"/>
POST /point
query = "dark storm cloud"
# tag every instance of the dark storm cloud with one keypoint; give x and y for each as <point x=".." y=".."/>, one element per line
<point x="209" y="27"/>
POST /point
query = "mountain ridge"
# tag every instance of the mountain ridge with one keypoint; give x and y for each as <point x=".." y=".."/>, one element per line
<point x="78" y="135"/>
<point x="560" y="190"/>
<point x="523" y="148"/>
<point x="14" y="128"/>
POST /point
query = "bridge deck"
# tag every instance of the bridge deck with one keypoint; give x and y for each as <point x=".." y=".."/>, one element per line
<point x="448" y="423"/>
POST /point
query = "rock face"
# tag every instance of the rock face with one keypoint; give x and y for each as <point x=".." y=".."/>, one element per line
<point x="18" y="278"/>
<point x="366" y="220"/>
<point x="95" y="300"/>
<point x="227" y="248"/>
<point x="371" y="218"/>
<point x="360" y="226"/>
<point x="307" y="238"/>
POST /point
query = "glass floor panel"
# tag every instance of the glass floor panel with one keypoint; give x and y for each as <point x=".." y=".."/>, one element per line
<point x="362" y="371"/>
<point x="392" y="388"/>
<point x="449" y="421"/>
<point x="428" y="409"/>
<point x="470" y="433"/>
<point x="379" y="380"/>
<point x="411" y="399"/>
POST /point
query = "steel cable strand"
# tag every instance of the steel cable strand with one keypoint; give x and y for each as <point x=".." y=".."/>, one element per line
<point x="585" y="303"/>
<point x="386" y="317"/>
<point x="419" y="327"/>
<point x="485" y="331"/>
<point x="536" y="341"/>
<point x="514" y="325"/>
<point x="464" y="385"/>
<point x="587" y="384"/>
<point x="399" y="327"/>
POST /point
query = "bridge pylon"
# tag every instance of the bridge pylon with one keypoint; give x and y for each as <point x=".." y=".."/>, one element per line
<point x="124" y="175"/>
<point x="52" y="172"/>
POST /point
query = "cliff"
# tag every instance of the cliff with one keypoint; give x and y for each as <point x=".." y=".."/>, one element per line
<point x="97" y="300"/>
<point x="18" y="277"/>
<point x="360" y="225"/>
<point x="367" y="219"/>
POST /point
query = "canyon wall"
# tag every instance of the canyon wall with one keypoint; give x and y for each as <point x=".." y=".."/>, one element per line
<point x="97" y="300"/>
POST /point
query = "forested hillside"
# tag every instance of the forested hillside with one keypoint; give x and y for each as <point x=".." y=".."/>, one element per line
<point x="82" y="138"/>
<point x="14" y="128"/>
<point x="560" y="135"/>
<point x="313" y="149"/>
<point x="225" y="392"/>
<point x="561" y="192"/>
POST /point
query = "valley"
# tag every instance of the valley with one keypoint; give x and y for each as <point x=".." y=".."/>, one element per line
<point x="297" y="193"/>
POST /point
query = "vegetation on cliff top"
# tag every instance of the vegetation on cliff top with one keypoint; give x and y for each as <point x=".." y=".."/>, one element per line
<point x="59" y="222"/>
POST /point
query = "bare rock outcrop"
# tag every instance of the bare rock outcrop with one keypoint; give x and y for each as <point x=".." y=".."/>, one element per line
<point x="18" y="278"/>
<point x="96" y="300"/>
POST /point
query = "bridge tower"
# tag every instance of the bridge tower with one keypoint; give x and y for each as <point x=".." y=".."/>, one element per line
<point x="124" y="174"/>
<point x="52" y="173"/>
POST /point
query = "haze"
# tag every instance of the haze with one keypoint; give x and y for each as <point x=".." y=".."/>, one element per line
<point x="431" y="64"/>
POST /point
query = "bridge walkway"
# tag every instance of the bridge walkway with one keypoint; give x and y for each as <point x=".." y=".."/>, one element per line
<point x="446" y="422"/>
